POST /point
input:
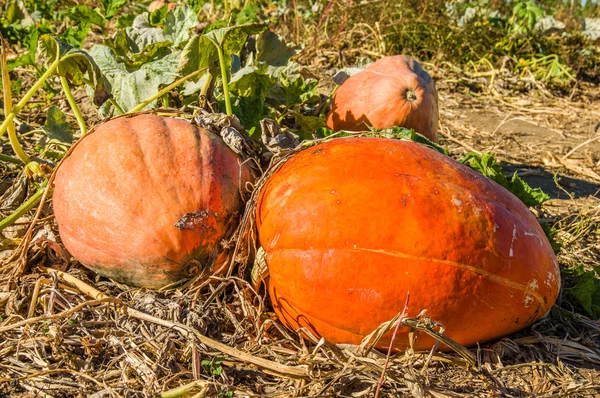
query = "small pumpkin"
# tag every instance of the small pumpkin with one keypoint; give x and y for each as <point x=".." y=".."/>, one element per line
<point x="147" y="200"/>
<point x="345" y="243"/>
<point x="156" y="4"/>
<point x="393" y="91"/>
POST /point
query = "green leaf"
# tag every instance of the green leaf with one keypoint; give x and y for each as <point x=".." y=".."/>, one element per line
<point x="293" y="91"/>
<point x="198" y="53"/>
<point x="74" y="65"/>
<point x="178" y="24"/>
<point x="142" y="33"/>
<point x="86" y="15"/>
<point x="111" y="7"/>
<point x="529" y="196"/>
<point x="586" y="289"/>
<point x="486" y="165"/>
<point x="272" y="49"/>
<point x="74" y="36"/>
<point x="157" y="17"/>
<point x="251" y="81"/>
<point x="56" y="126"/>
<point x="125" y="21"/>
<point x="233" y="38"/>
<point x="31" y="42"/>
<point x="129" y="53"/>
<point x="133" y="87"/>
<point x="308" y="124"/>
<point x="551" y="235"/>
<point x="142" y="43"/>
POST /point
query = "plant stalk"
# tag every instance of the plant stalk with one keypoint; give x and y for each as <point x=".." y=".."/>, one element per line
<point x="73" y="104"/>
<point x="165" y="90"/>
<point x="206" y="86"/>
<point x="225" y="81"/>
<point x="17" y="108"/>
<point x="8" y="108"/>
<point x="117" y="106"/>
<point x="10" y="159"/>
<point x="10" y="220"/>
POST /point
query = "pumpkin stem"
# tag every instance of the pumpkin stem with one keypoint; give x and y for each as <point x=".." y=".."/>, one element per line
<point x="410" y="95"/>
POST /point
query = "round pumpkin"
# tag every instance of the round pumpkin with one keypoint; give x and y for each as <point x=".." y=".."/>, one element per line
<point x="393" y="91"/>
<point x="352" y="225"/>
<point x="147" y="200"/>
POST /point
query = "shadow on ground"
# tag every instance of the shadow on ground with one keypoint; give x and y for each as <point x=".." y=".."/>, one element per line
<point x="540" y="178"/>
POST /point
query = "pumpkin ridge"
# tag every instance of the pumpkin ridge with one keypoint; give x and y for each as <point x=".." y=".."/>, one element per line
<point x="374" y="110"/>
<point x="504" y="281"/>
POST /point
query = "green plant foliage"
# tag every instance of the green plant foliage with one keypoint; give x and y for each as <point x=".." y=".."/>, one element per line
<point x="486" y="165"/>
<point x="585" y="288"/>
<point x="56" y="127"/>
<point x="85" y="14"/>
<point x="76" y="65"/>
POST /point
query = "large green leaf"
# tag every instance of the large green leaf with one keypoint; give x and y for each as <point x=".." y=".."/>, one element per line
<point x="178" y="25"/>
<point x="141" y="42"/>
<point x="233" y="38"/>
<point x="272" y="49"/>
<point x="198" y="53"/>
<point x="251" y="81"/>
<point x="74" y="64"/>
<point x="201" y="51"/>
<point x="131" y="88"/>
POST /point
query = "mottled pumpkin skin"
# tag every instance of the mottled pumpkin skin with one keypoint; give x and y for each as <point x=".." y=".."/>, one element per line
<point x="120" y="193"/>
<point x="351" y="225"/>
<point x="393" y="91"/>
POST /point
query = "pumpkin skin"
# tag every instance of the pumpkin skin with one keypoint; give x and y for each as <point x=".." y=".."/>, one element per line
<point x="393" y="91"/>
<point x="120" y="193"/>
<point x="351" y="225"/>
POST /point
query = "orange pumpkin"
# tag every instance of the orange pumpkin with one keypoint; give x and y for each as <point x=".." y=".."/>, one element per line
<point x="351" y="225"/>
<point x="148" y="199"/>
<point x="393" y="91"/>
<point x="156" y="4"/>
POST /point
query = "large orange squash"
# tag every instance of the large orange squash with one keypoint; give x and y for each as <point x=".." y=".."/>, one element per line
<point x="147" y="200"/>
<point x="351" y="225"/>
<point x="393" y="91"/>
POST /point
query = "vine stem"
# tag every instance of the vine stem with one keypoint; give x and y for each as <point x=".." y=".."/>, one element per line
<point x="206" y="85"/>
<point x="8" y="108"/>
<point x="10" y="220"/>
<point x="225" y="81"/>
<point x="10" y="159"/>
<point x="73" y="104"/>
<point x="21" y="104"/>
<point x="165" y="90"/>
<point x="117" y="106"/>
